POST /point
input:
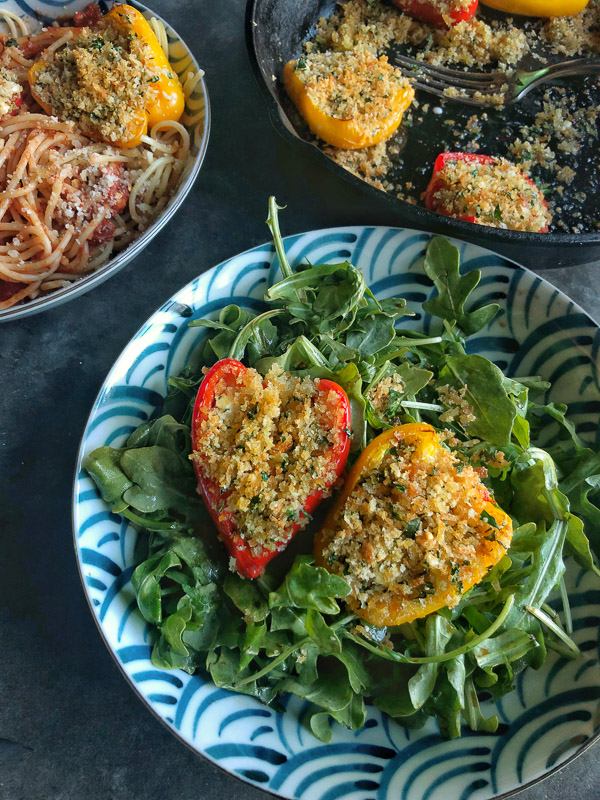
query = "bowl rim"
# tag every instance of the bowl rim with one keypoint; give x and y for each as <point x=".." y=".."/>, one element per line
<point x="74" y="502"/>
<point x="113" y="265"/>
<point x="430" y="220"/>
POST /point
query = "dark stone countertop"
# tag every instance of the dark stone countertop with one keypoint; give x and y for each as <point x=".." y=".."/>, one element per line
<point x="70" y="727"/>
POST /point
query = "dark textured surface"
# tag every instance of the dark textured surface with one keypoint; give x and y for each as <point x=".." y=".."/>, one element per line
<point x="70" y="727"/>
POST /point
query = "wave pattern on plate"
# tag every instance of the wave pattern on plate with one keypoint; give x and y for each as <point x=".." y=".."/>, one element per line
<point x="552" y="714"/>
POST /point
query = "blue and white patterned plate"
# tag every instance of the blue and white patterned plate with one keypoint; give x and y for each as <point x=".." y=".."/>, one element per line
<point x="553" y="714"/>
<point x="196" y="119"/>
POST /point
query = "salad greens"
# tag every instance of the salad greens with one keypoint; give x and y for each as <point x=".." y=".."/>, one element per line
<point x="289" y="632"/>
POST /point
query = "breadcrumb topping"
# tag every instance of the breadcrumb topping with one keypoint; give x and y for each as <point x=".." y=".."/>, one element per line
<point x="266" y="445"/>
<point x="385" y="397"/>
<point x="350" y="85"/>
<point x="370" y="25"/>
<point x="412" y="529"/>
<point x="574" y="36"/>
<point x="458" y="409"/>
<point x="99" y="79"/>
<point x="497" y="194"/>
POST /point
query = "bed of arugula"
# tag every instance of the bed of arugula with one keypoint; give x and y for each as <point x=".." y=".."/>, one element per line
<point x="289" y="632"/>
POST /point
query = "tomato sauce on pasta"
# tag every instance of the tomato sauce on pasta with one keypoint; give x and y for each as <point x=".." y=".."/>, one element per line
<point x="68" y="201"/>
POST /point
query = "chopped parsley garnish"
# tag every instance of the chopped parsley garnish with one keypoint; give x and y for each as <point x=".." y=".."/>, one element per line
<point x="487" y="517"/>
<point x="394" y="403"/>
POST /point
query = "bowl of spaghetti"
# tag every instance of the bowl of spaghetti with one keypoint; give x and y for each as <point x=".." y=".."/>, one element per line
<point x="104" y="124"/>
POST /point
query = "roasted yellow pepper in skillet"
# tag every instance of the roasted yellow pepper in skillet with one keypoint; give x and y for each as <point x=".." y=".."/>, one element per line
<point x="538" y="8"/>
<point x="413" y="528"/>
<point x="349" y="100"/>
<point x="113" y="79"/>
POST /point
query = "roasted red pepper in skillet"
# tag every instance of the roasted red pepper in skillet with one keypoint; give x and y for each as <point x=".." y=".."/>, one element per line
<point x="504" y="185"/>
<point x="429" y="11"/>
<point x="251" y="560"/>
<point x="436" y="182"/>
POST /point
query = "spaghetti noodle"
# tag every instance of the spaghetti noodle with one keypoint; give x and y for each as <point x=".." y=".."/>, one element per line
<point x="68" y="202"/>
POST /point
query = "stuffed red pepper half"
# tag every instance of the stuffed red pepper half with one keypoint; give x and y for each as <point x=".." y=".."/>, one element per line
<point x="266" y="451"/>
<point x="439" y="13"/>
<point x="487" y="191"/>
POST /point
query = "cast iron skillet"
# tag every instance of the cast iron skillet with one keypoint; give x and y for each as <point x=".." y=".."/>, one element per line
<point x="275" y="30"/>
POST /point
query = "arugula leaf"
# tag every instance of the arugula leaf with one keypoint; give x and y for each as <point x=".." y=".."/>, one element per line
<point x="163" y="432"/>
<point x="352" y="658"/>
<point x="556" y="411"/>
<point x="319" y="631"/>
<point x="333" y="693"/>
<point x="442" y="265"/>
<point x="413" y="378"/>
<point x="350" y="380"/>
<point x="310" y="587"/>
<point x="231" y="320"/>
<point x="224" y="668"/>
<point x="146" y="582"/>
<point x="448" y="700"/>
<point x="151" y="479"/>
<point x="370" y="335"/>
<point x="577" y="544"/>
<point x="182" y="391"/>
<point x="103" y="465"/>
<point x="273" y="223"/>
<point x="390" y="691"/>
<point x="438" y="632"/>
<point x="493" y="409"/>
<point x="580" y="478"/>
<point x="254" y="639"/>
<point x="475" y="719"/>
<point x="176" y="589"/>
<point x="306" y="663"/>
<point x="287" y="618"/>
<point x="161" y="481"/>
<point x="538" y="491"/>
<point x="325" y="297"/>
<point x="258" y="335"/>
<point x="300" y="354"/>
<point x="511" y="645"/>
<point x="246" y="596"/>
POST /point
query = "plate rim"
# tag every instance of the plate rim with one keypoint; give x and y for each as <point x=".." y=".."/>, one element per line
<point x="80" y="454"/>
<point x="126" y="256"/>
